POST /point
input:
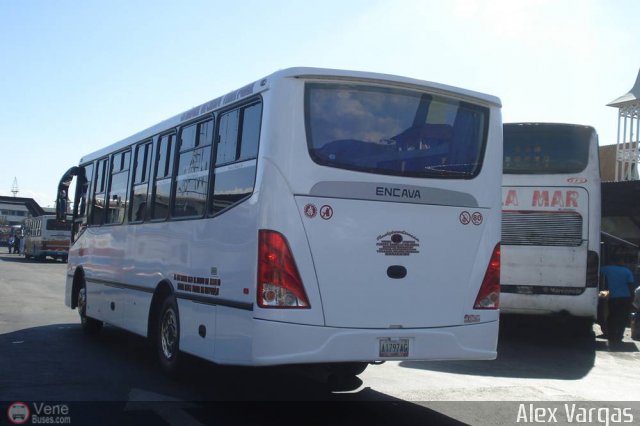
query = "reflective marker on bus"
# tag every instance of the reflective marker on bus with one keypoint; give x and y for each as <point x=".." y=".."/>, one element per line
<point x="311" y="217"/>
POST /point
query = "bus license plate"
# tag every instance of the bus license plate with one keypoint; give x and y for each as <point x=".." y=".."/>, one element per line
<point x="394" y="348"/>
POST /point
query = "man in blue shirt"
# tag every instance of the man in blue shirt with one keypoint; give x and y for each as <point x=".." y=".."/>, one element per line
<point x="619" y="280"/>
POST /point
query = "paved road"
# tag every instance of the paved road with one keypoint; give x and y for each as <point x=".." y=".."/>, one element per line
<point x="44" y="356"/>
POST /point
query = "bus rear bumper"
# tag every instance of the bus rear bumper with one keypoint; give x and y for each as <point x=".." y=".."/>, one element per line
<point x="582" y="305"/>
<point x="277" y="343"/>
<point x="54" y="253"/>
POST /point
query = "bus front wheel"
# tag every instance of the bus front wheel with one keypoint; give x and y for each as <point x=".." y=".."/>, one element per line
<point x="168" y="335"/>
<point x="89" y="325"/>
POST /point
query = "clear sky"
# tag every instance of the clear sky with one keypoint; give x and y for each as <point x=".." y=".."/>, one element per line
<point x="77" y="75"/>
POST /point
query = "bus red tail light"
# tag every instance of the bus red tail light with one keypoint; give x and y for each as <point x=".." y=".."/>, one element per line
<point x="279" y="283"/>
<point x="489" y="293"/>
<point x="593" y="262"/>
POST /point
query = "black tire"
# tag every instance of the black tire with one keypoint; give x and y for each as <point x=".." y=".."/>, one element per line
<point x="167" y="336"/>
<point x="635" y="326"/>
<point x="583" y="326"/>
<point x="89" y="325"/>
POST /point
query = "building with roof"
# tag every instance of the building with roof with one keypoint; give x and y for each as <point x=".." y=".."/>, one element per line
<point x="608" y="162"/>
<point x="14" y="210"/>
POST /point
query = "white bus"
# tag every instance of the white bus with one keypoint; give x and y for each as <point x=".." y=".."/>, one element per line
<point x="311" y="217"/>
<point x="551" y="221"/>
<point x="45" y="236"/>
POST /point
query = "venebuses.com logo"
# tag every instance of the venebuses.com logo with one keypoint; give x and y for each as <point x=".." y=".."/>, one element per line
<point x="18" y="413"/>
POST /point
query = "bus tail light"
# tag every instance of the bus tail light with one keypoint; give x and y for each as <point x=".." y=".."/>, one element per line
<point x="593" y="261"/>
<point x="279" y="283"/>
<point x="489" y="293"/>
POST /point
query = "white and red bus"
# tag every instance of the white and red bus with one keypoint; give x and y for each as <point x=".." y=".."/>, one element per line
<point x="45" y="236"/>
<point x="311" y="217"/>
<point x="551" y="221"/>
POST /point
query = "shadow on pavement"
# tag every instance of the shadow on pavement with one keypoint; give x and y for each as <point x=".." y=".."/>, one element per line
<point x="16" y="258"/>
<point x="19" y="258"/>
<point x="118" y="372"/>
<point x="529" y="348"/>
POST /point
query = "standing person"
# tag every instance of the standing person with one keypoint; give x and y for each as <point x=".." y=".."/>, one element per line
<point x="11" y="240"/>
<point x="22" y="243"/>
<point x="16" y="244"/>
<point x="620" y="283"/>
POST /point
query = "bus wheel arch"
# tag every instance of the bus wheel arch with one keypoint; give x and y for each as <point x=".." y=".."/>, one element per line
<point x="163" y="328"/>
<point x="78" y="282"/>
<point x="89" y="325"/>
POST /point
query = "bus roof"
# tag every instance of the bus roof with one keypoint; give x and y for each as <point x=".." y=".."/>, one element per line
<point x="297" y="72"/>
<point x="542" y="124"/>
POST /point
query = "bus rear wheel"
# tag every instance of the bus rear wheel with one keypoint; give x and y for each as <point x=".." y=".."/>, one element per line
<point x="583" y="326"/>
<point x="89" y="325"/>
<point x="168" y="336"/>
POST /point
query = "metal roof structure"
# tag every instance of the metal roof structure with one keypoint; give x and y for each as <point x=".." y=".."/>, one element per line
<point x="628" y="143"/>
<point x="632" y="96"/>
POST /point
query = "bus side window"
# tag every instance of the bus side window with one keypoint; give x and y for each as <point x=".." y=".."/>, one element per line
<point x="99" y="192"/>
<point x="118" y="180"/>
<point x="237" y="138"/>
<point x="192" y="178"/>
<point x="140" y="187"/>
<point x="82" y="200"/>
<point x="250" y="136"/>
<point x="83" y="191"/>
<point x="161" y="194"/>
<point x="228" y="137"/>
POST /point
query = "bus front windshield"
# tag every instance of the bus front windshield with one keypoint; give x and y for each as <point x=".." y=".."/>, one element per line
<point x="542" y="148"/>
<point x="394" y="132"/>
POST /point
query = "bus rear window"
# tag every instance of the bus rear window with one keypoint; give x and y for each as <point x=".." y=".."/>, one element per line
<point x="545" y="148"/>
<point x="54" y="225"/>
<point x="394" y="132"/>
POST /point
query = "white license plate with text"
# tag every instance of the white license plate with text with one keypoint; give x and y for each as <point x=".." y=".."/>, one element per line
<point x="394" y="348"/>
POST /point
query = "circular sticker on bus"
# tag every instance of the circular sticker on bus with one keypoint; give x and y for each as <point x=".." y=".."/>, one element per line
<point x="465" y="217"/>
<point x="310" y="211"/>
<point x="326" y="212"/>
<point x="476" y="218"/>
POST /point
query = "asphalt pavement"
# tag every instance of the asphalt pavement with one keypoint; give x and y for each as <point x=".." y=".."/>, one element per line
<point x="113" y="377"/>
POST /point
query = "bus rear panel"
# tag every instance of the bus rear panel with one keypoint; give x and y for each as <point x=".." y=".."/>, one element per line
<point x="551" y="220"/>
<point x="371" y="192"/>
